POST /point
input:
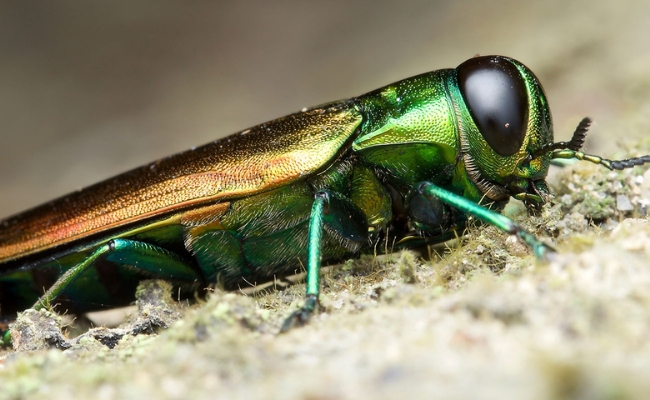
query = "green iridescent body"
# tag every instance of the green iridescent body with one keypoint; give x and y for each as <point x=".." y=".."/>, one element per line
<point x="403" y="164"/>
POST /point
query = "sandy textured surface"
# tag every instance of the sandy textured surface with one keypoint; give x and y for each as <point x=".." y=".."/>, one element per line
<point x="91" y="92"/>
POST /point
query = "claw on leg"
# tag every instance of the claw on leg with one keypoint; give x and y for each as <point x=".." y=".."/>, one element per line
<point x="301" y="316"/>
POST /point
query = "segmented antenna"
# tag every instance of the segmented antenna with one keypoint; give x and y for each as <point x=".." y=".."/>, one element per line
<point x="575" y="144"/>
<point x="579" y="135"/>
<point x="609" y="164"/>
<point x="571" y="149"/>
<point x="629" y="163"/>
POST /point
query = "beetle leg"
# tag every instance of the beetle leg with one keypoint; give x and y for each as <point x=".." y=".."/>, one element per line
<point x="504" y="223"/>
<point x="145" y="257"/>
<point x="219" y="254"/>
<point x="341" y="219"/>
<point x="300" y="317"/>
<point x="428" y="214"/>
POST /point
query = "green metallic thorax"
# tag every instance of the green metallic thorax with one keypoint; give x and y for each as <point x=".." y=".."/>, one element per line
<point x="420" y="129"/>
<point x="411" y="134"/>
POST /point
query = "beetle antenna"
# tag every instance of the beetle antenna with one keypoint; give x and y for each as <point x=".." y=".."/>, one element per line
<point x="571" y="150"/>
<point x="579" y="135"/>
<point x="575" y="144"/>
<point x="609" y="164"/>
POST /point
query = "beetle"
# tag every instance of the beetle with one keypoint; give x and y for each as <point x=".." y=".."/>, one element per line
<point x="407" y="163"/>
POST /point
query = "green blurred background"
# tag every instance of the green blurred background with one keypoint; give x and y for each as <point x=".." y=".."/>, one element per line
<point x="91" y="90"/>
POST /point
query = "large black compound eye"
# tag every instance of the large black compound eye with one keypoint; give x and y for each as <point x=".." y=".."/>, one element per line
<point x="496" y="97"/>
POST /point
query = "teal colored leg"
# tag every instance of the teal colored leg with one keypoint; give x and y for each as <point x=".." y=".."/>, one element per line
<point x="150" y="259"/>
<point x="301" y="316"/>
<point x="540" y="249"/>
<point x="314" y="245"/>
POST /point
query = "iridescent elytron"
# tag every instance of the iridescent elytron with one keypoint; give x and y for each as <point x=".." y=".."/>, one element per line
<point x="403" y="164"/>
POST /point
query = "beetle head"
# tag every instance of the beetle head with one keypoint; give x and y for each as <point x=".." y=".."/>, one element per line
<point x="503" y="120"/>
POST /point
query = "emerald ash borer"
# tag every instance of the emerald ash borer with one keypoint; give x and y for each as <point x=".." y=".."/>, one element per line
<point x="404" y="164"/>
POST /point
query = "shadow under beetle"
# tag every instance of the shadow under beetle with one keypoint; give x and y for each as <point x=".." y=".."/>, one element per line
<point x="406" y="164"/>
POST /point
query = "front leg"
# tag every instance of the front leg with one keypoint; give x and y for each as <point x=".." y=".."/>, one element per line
<point x="435" y="195"/>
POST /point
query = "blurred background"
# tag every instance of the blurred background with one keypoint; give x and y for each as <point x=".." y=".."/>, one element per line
<point x="89" y="90"/>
